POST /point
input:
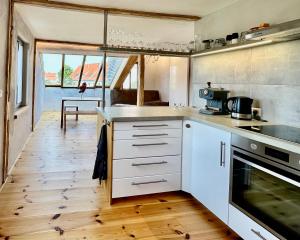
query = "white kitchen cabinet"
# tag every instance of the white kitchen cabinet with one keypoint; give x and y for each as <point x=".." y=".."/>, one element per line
<point x="146" y="157"/>
<point x="187" y="143"/>
<point x="211" y="168"/>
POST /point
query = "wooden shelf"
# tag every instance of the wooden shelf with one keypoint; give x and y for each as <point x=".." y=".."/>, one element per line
<point x="145" y="51"/>
<point x="230" y="48"/>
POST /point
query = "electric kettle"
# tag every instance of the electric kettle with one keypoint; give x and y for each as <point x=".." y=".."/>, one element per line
<point x="240" y="107"/>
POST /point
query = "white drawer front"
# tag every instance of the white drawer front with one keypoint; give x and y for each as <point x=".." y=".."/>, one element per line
<point x="140" y="167"/>
<point x="153" y="133"/>
<point x="145" y="185"/>
<point x="146" y="148"/>
<point x="144" y="125"/>
<point x="246" y="227"/>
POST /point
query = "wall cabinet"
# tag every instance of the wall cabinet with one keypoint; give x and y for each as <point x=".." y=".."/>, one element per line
<point x="210" y="168"/>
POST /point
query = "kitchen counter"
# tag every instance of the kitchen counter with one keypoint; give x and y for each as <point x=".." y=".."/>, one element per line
<point x="126" y="114"/>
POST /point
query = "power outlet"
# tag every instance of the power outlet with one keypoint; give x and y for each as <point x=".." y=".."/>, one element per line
<point x="256" y="113"/>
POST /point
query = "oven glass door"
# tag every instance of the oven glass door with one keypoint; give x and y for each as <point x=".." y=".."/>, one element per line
<point x="267" y="197"/>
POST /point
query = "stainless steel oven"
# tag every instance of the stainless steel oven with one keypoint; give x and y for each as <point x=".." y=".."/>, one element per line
<point x="264" y="185"/>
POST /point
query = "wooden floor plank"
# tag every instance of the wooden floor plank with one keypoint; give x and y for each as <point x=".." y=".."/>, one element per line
<point x="50" y="195"/>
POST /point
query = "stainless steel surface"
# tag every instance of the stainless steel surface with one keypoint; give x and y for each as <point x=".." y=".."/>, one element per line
<point x="223" y="149"/>
<point x="142" y="183"/>
<point x="221" y="154"/>
<point x="241" y="116"/>
<point x="150" y="163"/>
<point x="286" y="179"/>
<point x="280" y="32"/>
<point x="258" y="234"/>
<point x="104" y="57"/>
<point x="149" y="144"/>
<point x="150" y="135"/>
<point x="253" y="147"/>
<point x="274" y="181"/>
<point x="151" y="125"/>
<point x="126" y="50"/>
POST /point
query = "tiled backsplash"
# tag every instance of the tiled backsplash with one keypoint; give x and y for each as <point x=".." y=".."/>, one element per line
<point x="269" y="74"/>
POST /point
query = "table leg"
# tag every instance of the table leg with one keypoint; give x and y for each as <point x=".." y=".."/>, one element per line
<point x="62" y="113"/>
<point x="99" y="103"/>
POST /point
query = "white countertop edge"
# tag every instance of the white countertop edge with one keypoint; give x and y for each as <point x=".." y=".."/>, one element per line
<point x="190" y="115"/>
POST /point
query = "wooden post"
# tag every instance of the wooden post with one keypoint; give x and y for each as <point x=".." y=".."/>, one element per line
<point x="141" y="81"/>
<point x="33" y="86"/>
<point x="7" y="90"/>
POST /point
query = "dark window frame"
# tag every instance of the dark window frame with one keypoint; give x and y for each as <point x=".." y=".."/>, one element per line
<point x="24" y="72"/>
<point x="81" y="73"/>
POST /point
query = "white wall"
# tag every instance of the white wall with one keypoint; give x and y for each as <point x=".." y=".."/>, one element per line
<point x="3" y="48"/>
<point x="268" y="74"/>
<point x="168" y="75"/>
<point x="20" y="128"/>
<point x="178" y="85"/>
<point x="157" y="76"/>
<point x="246" y="14"/>
<point x="39" y="89"/>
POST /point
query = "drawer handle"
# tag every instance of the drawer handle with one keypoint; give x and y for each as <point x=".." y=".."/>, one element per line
<point x="149" y="144"/>
<point x="258" y="234"/>
<point x="153" y="125"/>
<point x="146" y="164"/>
<point x="142" y="183"/>
<point x="150" y="135"/>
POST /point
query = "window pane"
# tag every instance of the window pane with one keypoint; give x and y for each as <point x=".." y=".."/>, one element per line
<point x="126" y="83"/>
<point x="52" y="69"/>
<point x="19" y="88"/>
<point x="72" y="69"/>
<point x="134" y="76"/>
<point x="91" y="69"/>
<point x="113" y="66"/>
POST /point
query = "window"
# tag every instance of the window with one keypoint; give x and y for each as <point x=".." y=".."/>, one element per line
<point x="72" y="70"/>
<point x="91" y="70"/>
<point x="78" y="69"/>
<point x="52" y="69"/>
<point x="131" y="80"/>
<point x="21" y="80"/>
<point x="113" y="66"/>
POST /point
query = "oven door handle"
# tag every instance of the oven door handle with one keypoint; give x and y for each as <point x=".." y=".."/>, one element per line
<point x="274" y="174"/>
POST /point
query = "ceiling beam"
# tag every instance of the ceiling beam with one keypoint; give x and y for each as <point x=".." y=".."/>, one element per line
<point x="118" y="81"/>
<point x="115" y="11"/>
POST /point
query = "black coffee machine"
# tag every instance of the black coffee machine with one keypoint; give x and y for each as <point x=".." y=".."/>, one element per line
<point x="216" y="100"/>
<point x="241" y="107"/>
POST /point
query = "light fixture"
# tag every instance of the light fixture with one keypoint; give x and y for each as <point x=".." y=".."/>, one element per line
<point x="232" y="48"/>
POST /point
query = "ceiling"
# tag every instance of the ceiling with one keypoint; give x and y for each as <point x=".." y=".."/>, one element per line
<point x="87" y="27"/>
<point x="189" y="7"/>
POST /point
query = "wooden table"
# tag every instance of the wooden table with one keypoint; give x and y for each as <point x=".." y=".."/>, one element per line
<point x="76" y="99"/>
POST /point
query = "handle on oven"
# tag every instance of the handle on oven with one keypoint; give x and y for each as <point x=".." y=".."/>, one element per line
<point x="258" y="234"/>
<point x="291" y="181"/>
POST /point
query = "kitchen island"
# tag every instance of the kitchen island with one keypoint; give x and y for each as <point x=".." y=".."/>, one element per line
<point x="162" y="149"/>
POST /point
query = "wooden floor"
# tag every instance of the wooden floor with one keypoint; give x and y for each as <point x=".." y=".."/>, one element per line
<point x="50" y="195"/>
